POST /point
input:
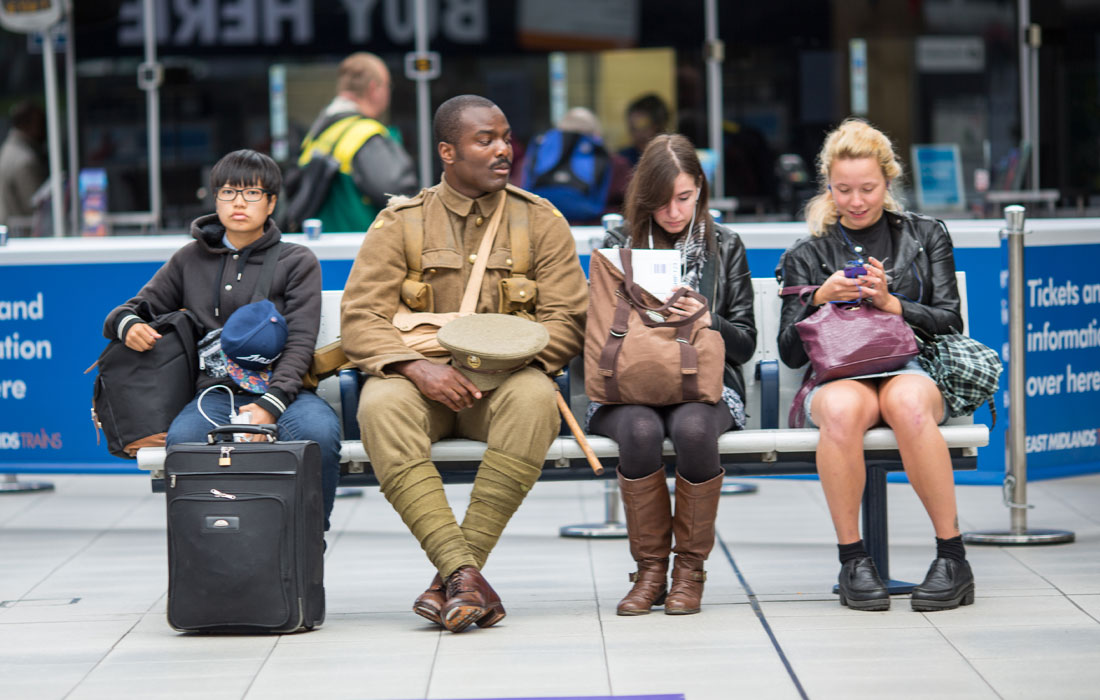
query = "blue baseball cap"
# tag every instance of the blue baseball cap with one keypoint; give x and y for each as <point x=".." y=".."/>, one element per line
<point x="252" y="338"/>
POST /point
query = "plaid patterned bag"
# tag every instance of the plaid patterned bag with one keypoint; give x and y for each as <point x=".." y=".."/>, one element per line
<point x="966" y="371"/>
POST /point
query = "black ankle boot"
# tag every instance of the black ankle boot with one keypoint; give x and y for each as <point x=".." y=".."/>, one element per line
<point x="860" y="586"/>
<point x="949" y="584"/>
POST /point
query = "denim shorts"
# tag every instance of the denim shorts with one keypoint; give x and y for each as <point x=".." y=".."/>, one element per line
<point x="910" y="367"/>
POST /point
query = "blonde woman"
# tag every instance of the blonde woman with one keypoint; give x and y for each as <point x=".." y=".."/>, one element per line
<point x="909" y="270"/>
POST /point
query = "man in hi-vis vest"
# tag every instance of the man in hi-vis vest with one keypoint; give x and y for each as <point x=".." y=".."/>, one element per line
<point x="373" y="164"/>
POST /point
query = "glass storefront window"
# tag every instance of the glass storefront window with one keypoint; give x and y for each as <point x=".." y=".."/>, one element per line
<point x="935" y="73"/>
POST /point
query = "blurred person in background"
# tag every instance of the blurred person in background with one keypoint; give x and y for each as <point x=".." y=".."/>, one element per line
<point x="571" y="166"/>
<point x="22" y="164"/>
<point x="646" y="117"/>
<point x="372" y="162"/>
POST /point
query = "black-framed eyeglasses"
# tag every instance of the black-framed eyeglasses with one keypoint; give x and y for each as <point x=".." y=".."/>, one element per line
<point x="250" y="194"/>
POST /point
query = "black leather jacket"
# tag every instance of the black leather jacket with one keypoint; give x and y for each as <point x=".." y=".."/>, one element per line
<point x="922" y="276"/>
<point x="728" y="288"/>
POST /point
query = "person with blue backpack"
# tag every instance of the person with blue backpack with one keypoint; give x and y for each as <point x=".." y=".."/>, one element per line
<point x="570" y="166"/>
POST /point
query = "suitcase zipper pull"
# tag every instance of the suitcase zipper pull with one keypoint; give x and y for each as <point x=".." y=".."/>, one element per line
<point x="222" y="494"/>
<point x="172" y="482"/>
<point x="225" y="460"/>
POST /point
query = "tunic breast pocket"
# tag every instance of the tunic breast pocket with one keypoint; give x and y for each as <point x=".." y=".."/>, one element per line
<point x="419" y="295"/>
<point x="517" y="294"/>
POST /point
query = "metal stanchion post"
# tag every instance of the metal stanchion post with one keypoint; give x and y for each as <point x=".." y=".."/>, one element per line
<point x="1015" y="484"/>
<point x="611" y="527"/>
<point x="9" y="484"/>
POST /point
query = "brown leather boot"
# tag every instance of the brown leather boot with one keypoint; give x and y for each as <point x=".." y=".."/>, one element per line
<point x="649" y="526"/>
<point x="693" y="527"/>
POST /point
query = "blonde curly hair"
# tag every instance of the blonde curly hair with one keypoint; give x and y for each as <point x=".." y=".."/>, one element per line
<point x="854" y="138"/>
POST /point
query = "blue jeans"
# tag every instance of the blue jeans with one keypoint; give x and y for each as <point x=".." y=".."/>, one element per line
<point x="307" y="418"/>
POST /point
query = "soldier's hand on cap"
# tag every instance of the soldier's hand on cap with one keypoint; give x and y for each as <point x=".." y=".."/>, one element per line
<point x="141" y="337"/>
<point x="441" y="383"/>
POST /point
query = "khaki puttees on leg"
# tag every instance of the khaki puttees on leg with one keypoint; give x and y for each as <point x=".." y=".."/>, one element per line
<point x="501" y="484"/>
<point x="416" y="492"/>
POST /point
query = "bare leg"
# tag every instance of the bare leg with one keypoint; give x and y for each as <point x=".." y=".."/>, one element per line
<point x="844" y="410"/>
<point x="913" y="407"/>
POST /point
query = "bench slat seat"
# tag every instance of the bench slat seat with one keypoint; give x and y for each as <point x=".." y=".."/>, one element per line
<point x="763" y="446"/>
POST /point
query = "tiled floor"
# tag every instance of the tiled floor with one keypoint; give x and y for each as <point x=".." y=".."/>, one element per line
<point x="83" y="581"/>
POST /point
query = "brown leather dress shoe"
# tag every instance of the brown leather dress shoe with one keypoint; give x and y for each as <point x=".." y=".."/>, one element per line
<point x="429" y="604"/>
<point x="469" y="599"/>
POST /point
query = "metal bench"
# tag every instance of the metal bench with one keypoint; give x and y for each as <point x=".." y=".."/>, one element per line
<point x="767" y="447"/>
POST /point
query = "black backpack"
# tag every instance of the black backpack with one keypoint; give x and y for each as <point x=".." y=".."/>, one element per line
<point x="138" y="394"/>
<point x="305" y="187"/>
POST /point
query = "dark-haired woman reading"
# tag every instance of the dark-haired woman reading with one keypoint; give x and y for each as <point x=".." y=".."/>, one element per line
<point x="667" y="207"/>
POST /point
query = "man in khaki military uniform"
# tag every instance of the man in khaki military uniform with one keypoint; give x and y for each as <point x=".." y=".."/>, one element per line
<point x="409" y="401"/>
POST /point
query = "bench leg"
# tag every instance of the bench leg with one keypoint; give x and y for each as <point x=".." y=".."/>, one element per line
<point x="875" y="536"/>
<point x="9" y="484"/>
<point x="730" y="487"/>
<point x="611" y="528"/>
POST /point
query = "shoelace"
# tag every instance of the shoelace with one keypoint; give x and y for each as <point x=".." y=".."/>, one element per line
<point x="457" y="583"/>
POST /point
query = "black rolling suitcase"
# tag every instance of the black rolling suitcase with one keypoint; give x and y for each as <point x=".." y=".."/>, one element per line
<point x="245" y="534"/>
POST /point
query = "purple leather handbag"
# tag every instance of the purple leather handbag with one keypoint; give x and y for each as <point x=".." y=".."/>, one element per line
<point x="847" y="340"/>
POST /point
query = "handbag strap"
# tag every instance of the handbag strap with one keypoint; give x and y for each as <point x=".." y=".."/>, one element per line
<point x="797" y="416"/>
<point x="473" y="286"/>
<point x="609" y="356"/>
<point x="801" y="290"/>
<point x="633" y="294"/>
<point x="631" y="288"/>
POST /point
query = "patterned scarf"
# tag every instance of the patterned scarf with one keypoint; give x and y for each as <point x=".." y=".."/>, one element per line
<point x="693" y="253"/>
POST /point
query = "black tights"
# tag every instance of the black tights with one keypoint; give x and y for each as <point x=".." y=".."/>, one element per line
<point x="640" y="431"/>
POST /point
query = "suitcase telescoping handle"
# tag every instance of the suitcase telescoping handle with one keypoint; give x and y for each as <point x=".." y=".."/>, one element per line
<point x="225" y="432"/>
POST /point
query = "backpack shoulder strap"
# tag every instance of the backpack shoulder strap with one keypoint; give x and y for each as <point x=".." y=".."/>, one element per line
<point x="326" y="141"/>
<point x="569" y="141"/>
<point x="267" y="271"/>
<point x="352" y="139"/>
